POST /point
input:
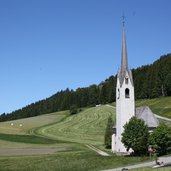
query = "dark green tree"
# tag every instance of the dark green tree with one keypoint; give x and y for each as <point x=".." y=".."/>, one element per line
<point x="135" y="136"/>
<point x="161" y="139"/>
<point x="167" y="84"/>
<point x="108" y="133"/>
<point x="73" y="109"/>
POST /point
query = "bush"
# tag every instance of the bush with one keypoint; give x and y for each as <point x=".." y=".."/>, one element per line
<point x="108" y="133"/>
<point x="73" y="109"/>
<point x="161" y="138"/>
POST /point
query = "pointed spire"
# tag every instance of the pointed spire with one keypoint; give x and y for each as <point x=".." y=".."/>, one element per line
<point x="124" y="61"/>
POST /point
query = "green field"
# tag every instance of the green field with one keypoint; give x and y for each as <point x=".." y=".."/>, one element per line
<point x="61" y="130"/>
<point x="87" y="127"/>
<point x="24" y="126"/>
<point x="80" y="159"/>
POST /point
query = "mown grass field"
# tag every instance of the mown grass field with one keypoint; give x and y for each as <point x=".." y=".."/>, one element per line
<point x="20" y="133"/>
<point x="87" y="127"/>
<point x="23" y="126"/>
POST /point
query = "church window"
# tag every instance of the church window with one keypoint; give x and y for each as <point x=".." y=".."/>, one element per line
<point x="127" y="93"/>
<point x="126" y="80"/>
<point x="118" y="93"/>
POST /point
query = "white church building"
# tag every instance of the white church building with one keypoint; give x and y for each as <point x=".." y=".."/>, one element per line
<point x="125" y="102"/>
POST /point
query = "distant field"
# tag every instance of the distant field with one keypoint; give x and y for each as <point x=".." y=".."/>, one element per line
<point x="86" y="127"/>
<point x="16" y="134"/>
<point x="160" y="106"/>
<point x="23" y="126"/>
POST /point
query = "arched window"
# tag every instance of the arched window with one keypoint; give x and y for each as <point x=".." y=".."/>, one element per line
<point x="118" y="93"/>
<point x="127" y="93"/>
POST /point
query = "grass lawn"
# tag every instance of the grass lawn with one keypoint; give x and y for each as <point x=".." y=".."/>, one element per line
<point x="80" y="159"/>
<point x="87" y="127"/>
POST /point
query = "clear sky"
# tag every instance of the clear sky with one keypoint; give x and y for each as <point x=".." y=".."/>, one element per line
<point x="49" y="45"/>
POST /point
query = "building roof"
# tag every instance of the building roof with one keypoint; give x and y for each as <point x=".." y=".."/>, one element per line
<point x="147" y="115"/>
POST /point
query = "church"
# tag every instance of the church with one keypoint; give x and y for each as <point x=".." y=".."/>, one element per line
<point x="125" y="103"/>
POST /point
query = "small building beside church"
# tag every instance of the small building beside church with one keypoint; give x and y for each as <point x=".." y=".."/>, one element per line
<point x="125" y="103"/>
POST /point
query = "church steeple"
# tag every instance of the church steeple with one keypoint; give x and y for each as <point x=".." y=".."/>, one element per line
<point x="124" y="60"/>
<point x="125" y="103"/>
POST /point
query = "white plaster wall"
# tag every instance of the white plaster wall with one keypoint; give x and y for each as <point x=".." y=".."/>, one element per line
<point x="113" y="142"/>
<point x="125" y="109"/>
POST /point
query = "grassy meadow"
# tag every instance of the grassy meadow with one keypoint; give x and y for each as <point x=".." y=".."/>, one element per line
<point x="24" y="126"/>
<point x="79" y="159"/>
<point x="71" y="132"/>
<point x="87" y="127"/>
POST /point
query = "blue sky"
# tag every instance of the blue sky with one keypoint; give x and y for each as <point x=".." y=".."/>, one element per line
<point x="49" y="45"/>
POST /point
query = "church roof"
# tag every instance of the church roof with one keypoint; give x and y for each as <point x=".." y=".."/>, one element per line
<point x="147" y="115"/>
<point x="124" y="60"/>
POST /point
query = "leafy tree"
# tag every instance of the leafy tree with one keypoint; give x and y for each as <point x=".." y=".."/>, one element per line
<point x="108" y="133"/>
<point x="161" y="138"/>
<point x="135" y="136"/>
<point x="73" y="109"/>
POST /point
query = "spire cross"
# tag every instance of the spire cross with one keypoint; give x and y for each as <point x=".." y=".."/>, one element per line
<point x="123" y="20"/>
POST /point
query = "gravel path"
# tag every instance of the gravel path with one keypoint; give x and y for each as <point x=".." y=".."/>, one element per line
<point x="146" y="164"/>
<point x="102" y="153"/>
<point x="11" y="152"/>
<point x="163" y="118"/>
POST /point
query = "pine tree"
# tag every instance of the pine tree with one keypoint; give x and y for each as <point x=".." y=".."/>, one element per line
<point x="108" y="133"/>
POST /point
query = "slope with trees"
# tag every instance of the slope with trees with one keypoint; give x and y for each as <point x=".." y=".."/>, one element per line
<point x="150" y="81"/>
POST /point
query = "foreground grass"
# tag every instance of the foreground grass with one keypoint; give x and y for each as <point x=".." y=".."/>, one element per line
<point x="86" y="127"/>
<point x="78" y="160"/>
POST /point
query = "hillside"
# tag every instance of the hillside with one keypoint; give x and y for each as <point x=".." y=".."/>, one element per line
<point x="88" y="126"/>
<point x="151" y="81"/>
<point x="57" y="130"/>
<point x="71" y="133"/>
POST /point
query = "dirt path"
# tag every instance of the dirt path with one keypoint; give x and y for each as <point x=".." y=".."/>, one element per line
<point x="11" y="152"/>
<point x="102" y="153"/>
<point x="146" y="164"/>
<point x="163" y="118"/>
